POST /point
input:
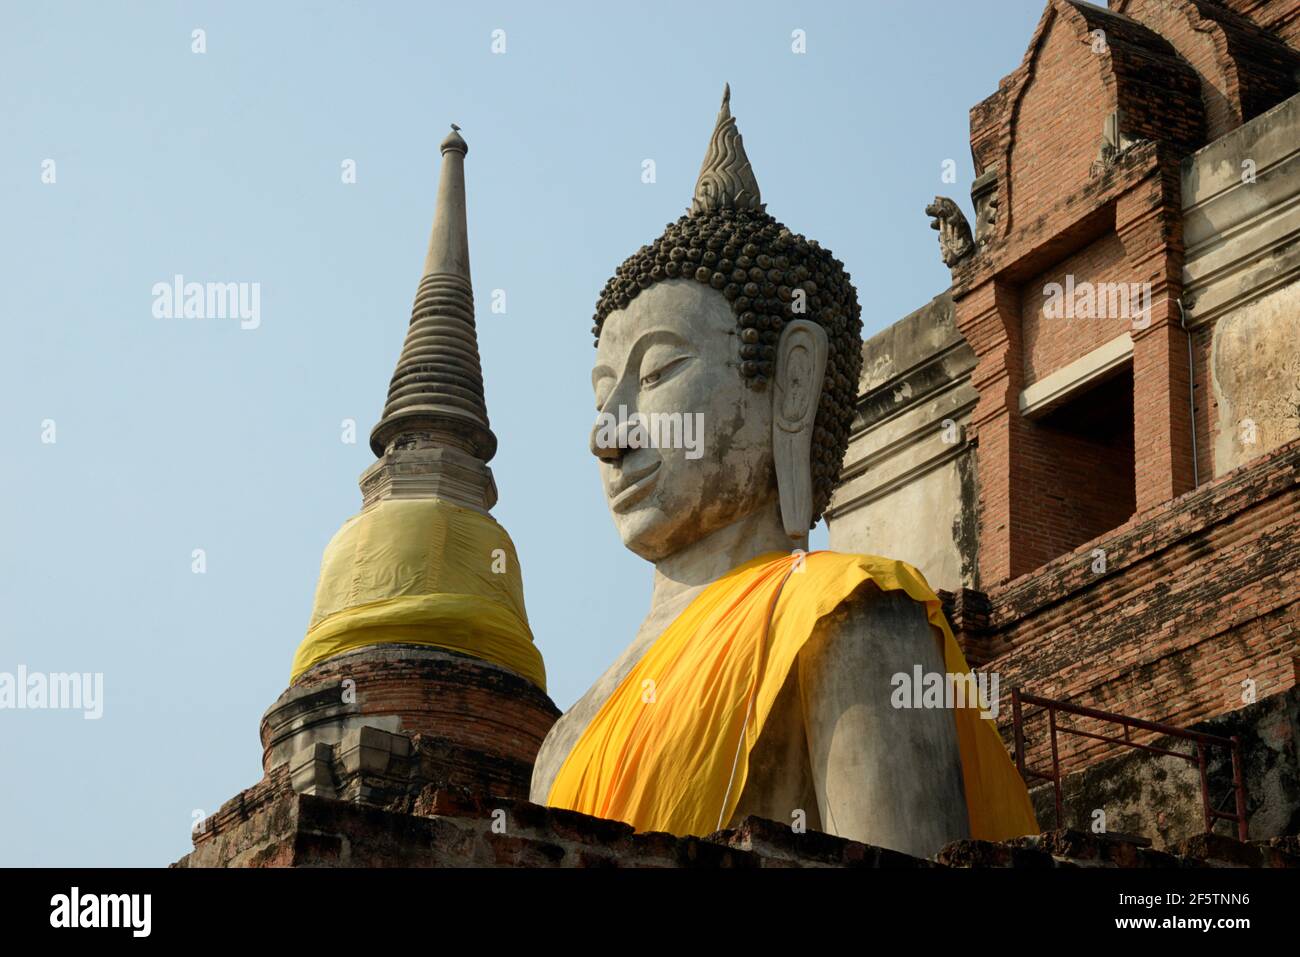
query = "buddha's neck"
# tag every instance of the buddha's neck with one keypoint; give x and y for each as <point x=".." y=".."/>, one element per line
<point x="684" y="574"/>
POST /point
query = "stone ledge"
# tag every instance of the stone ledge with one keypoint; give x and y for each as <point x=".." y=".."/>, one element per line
<point x="451" y="827"/>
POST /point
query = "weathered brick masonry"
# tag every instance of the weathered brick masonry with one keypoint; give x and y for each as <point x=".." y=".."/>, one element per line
<point x="1062" y="211"/>
<point x="485" y="711"/>
<point x="1199" y="588"/>
<point x="1197" y="596"/>
<point x="1137" y="547"/>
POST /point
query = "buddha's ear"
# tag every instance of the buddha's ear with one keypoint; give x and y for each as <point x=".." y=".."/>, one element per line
<point x="800" y="366"/>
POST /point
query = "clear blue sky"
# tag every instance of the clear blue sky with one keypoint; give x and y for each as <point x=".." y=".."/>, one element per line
<point x="180" y="434"/>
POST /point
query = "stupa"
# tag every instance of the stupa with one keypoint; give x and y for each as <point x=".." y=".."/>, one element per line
<point x="419" y="625"/>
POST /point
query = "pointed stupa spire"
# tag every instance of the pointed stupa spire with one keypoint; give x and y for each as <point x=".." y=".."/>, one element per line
<point x="726" y="178"/>
<point x="436" y="394"/>
<point x="423" y="587"/>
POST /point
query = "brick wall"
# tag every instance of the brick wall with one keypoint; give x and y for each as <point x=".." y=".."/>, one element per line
<point x="1058" y="123"/>
<point x="1197" y="596"/>
<point x="1051" y="344"/>
<point x="1179" y="22"/>
<point x="1279" y="17"/>
<point x="1245" y="69"/>
<point x="478" y="706"/>
<point x="1065" y="213"/>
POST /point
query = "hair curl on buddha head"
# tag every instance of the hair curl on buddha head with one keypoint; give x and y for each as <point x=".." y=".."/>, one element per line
<point x="770" y="276"/>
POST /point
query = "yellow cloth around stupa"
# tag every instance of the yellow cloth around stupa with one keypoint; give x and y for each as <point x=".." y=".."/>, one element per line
<point x="667" y="764"/>
<point x="426" y="572"/>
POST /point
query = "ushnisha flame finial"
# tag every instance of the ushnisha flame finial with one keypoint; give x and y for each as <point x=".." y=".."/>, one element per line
<point x="726" y="178"/>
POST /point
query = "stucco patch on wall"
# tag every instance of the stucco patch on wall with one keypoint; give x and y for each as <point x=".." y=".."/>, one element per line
<point x="1256" y="378"/>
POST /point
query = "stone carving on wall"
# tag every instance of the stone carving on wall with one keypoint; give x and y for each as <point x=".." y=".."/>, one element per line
<point x="984" y="196"/>
<point x="955" y="240"/>
<point x="1114" y="143"/>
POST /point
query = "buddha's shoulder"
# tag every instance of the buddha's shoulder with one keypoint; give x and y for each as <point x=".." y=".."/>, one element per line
<point x="869" y="611"/>
<point x="855" y="580"/>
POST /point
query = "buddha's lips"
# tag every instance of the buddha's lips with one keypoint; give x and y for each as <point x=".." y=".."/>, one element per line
<point x="634" y="487"/>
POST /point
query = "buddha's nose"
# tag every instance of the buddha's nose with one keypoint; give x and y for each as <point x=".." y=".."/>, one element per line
<point x="608" y="438"/>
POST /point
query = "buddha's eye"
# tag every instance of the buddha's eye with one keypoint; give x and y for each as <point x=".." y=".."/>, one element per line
<point x="651" y="379"/>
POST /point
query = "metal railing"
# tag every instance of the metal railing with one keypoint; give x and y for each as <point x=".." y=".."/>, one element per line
<point x="1201" y="740"/>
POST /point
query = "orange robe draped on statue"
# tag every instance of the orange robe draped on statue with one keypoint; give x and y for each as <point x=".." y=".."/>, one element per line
<point x="665" y="752"/>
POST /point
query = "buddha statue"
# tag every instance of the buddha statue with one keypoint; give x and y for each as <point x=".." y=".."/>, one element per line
<point x="763" y="679"/>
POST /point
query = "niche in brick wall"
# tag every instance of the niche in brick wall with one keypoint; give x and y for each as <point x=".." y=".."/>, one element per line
<point x="1078" y="478"/>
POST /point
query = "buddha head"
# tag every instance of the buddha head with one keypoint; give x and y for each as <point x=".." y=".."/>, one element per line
<point x="727" y="362"/>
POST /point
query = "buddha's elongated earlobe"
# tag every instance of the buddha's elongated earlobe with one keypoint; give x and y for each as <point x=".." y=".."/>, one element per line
<point x="800" y="365"/>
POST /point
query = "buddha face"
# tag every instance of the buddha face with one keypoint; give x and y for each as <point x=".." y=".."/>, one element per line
<point x="667" y="365"/>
